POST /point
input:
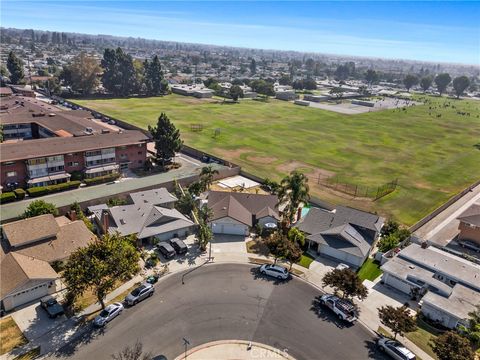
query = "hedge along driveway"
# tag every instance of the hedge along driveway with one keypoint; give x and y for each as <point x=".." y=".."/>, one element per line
<point x="14" y="210"/>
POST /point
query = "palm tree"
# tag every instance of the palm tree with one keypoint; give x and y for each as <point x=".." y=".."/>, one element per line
<point x="206" y="176"/>
<point x="205" y="214"/>
<point x="293" y="192"/>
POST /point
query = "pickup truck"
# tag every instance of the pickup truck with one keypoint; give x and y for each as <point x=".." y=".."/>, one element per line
<point x="51" y="306"/>
<point x="342" y="308"/>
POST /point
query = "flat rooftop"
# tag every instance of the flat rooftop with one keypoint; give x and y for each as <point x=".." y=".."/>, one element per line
<point x="30" y="149"/>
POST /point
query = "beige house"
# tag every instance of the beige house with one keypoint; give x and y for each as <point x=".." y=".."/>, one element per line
<point x="470" y="224"/>
<point x="28" y="248"/>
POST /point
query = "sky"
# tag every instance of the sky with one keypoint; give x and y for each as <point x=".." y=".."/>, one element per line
<point x="434" y="31"/>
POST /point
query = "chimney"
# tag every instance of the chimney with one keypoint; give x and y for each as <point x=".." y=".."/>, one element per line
<point x="72" y="214"/>
<point x="105" y="221"/>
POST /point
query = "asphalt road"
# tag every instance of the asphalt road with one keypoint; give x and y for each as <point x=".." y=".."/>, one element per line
<point x="219" y="302"/>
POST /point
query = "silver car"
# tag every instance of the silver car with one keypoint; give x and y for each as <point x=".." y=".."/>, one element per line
<point x="108" y="314"/>
<point x="395" y="349"/>
<point x="275" y="271"/>
<point x="140" y="293"/>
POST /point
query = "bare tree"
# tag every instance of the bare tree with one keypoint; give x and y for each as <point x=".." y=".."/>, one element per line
<point x="133" y="352"/>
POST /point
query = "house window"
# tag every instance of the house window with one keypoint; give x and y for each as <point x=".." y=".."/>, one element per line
<point x="139" y="153"/>
<point x="9" y="163"/>
<point x="72" y="163"/>
<point x="139" y="145"/>
<point x="11" y="173"/>
<point x="140" y="161"/>
<point x="123" y="156"/>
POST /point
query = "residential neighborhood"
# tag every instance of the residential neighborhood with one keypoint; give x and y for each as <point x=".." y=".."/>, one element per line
<point x="239" y="181"/>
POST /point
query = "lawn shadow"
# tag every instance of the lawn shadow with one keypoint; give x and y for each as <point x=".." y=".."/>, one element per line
<point x="374" y="351"/>
<point x="85" y="334"/>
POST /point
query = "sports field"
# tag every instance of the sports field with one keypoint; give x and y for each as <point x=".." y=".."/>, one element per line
<point x="429" y="148"/>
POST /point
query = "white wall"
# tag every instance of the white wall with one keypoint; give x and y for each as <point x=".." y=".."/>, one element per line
<point x="396" y="283"/>
<point x="228" y="225"/>
<point x="340" y="255"/>
<point x="438" y="315"/>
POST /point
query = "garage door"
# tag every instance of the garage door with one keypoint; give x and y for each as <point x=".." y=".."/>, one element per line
<point x="339" y="255"/>
<point x="26" y="296"/>
<point x="230" y="229"/>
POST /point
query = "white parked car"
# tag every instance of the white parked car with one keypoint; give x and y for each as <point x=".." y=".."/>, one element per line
<point x="108" y="314"/>
<point x="342" y="266"/>
<point x="275" y="271"/>
<point x="395" y="349"/>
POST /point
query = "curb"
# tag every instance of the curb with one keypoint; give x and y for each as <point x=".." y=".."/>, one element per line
<point x="249" y="344"/>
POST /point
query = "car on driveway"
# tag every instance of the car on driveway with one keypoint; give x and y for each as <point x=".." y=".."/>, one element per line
<point x="395" y="349"/>
<point x="166" y="250"/>
<point x="139" y="294"/>
<point x="51" y="306"/>
<point x="276" y="271"/>
<point x="179" y="246"/>
<point x="108" y="314"/>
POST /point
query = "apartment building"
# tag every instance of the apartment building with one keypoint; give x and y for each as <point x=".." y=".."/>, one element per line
<point x="45" y="145"/>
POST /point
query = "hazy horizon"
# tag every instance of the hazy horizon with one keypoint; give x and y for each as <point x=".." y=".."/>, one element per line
<point x="417" y="31"/>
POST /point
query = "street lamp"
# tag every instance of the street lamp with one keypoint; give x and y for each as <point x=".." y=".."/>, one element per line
<point x="185" y="343"/>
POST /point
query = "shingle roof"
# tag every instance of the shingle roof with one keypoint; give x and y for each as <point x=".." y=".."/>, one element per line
<point x="61" y="145"/>
<point x="31" y="229"/>
<point x="153" y="197"/>
<point x="18" y="269"/>
<point x="471" y="215"/>
<point x="344" y="228"/>
<point x="242" y="206"/>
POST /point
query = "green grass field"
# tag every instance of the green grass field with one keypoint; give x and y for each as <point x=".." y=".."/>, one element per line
<point x="432" y="157"/>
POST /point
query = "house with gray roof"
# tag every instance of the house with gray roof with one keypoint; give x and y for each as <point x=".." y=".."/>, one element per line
<point x="344" y="234"/>
<point x="470" y="224"/>
<point x="447" y="286"/>
<point x="149" y="214"/>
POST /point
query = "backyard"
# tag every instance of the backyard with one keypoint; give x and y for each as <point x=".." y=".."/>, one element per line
<point x="430" y="148"/>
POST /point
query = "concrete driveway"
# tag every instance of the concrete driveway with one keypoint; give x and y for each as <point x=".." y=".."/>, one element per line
<point x="34" y="322"/>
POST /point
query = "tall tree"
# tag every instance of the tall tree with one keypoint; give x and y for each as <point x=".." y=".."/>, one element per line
<point x="409" y="81"/>
<point x="472" y="331"/>
<point x="166" y="137"/>
<point x="371" y="76"/>
<point x="134" y="352"/>
<point x="397" y="319"/>
<point x="153" y="77"/>
<point x="277" y="244"/>
<point x="293" y="192"/>
<point x="39" y="207"/>
<point x="15" y="68"/>
<point x="346" y="281"/>
<point x="204" y="235"/>
<point x="451" y="346"/>
<point x="119" y="76"/>
<point x="460" y="84"/>
<point x="83" y="73"/>
<point x="426" y="82"/>
<point x="253" y="67"/>
<point x="442" y="81"/>
<point x="98" y="266"/>
<point x="236" y="92"/>
<point x="206" y="176"/>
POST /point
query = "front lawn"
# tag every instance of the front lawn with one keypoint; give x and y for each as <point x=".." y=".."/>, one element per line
<point x="10" y="335"/>
<point x="257" y="247"/>
<point x="370" y="270"/>
<point x="29" y="355"/>
<point x="306" y="260"/>
<point x="422" y="336"/>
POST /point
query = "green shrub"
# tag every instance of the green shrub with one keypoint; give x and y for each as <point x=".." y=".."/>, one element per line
<point x="37" y="191"/>
<point x="44" y="190"/>
<point x="101" y="179"/>
<point x="19" y="193"/>
<point x="7" y="197"/>
<point x="76" y="175"/>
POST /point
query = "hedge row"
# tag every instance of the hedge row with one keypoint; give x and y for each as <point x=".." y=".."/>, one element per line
<point x="44" y="190"/>
<point x="101" y="179"/>
<point x="7" y="197"/>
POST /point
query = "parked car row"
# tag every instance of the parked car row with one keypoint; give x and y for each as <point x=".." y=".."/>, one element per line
<point x="111" y="311"/>
<point x="171" y="248"/>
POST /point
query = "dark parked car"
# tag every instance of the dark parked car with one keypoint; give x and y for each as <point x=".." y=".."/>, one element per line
<point x="166" y="250"/>
<point x="179" y="246"/>
<point x="51" y="306"/>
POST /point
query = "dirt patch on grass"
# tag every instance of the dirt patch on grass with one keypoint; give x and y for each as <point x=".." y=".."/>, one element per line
<point x="257" y="247"/>
<point x="11" y="336"/>
<point x="261" y="159"/>
<point x="232" y="155"/>
<point x="309" y="170"/>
